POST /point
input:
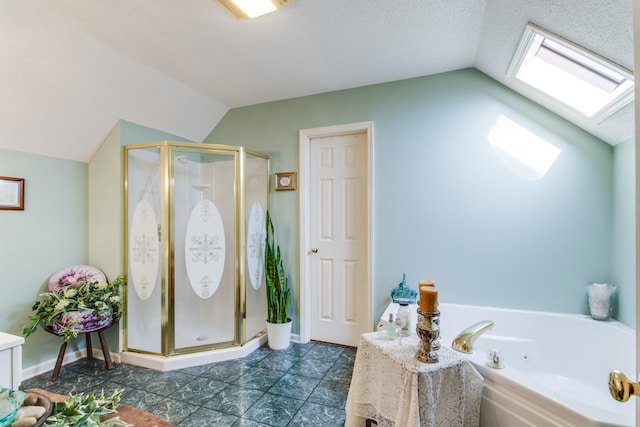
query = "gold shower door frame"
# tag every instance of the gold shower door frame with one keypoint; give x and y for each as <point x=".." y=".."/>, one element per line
<point x="167" y="151"/>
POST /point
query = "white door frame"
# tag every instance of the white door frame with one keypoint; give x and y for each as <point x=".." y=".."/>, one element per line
<point x="304" y="189"/>
<point x="636" y="60"/>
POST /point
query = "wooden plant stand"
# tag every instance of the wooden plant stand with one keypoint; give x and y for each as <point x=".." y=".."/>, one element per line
<point x="87" y="335"/>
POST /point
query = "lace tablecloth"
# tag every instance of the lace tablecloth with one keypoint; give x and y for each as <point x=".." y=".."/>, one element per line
<point x="389" y="385"/>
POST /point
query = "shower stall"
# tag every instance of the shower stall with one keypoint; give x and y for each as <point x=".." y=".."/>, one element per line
<point x="194" y="248"/>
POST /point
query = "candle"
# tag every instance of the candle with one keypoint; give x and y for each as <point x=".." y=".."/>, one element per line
<point x="429" y="284"/>
<point x="428" y="299"/>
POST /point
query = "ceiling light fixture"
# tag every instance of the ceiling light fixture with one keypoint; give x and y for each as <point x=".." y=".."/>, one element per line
<point x="243" y="9"/>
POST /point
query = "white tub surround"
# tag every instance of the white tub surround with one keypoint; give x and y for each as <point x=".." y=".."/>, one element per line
<point x="10" y="360"/>
<point x="556" y="366"/>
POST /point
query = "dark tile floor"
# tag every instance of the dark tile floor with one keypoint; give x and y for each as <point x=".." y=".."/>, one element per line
<point x="304" y="385"/>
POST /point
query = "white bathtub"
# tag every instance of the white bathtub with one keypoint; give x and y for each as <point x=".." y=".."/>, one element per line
<point x="556" y="366"/>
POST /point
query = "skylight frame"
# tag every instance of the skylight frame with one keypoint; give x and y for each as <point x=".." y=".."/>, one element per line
<point x="534" y="36"/>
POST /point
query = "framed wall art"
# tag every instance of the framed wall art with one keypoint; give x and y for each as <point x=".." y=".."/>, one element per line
<point x="11" y="193"/>
<point x="285" y="181"/>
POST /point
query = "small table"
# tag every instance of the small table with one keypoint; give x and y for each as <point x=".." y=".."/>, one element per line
<point x="391" y="387"/>
<point x="87" y="334"/>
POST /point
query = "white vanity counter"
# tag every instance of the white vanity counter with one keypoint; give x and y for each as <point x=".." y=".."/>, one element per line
<point x="10" y="360"/>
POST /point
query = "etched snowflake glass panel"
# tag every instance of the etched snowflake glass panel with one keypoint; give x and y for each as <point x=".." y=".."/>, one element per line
<point x="203" y="212"/>
<point x="144" y="294"/>
<point x="256" y="197"/>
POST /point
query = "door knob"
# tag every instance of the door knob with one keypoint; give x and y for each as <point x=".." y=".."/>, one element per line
<point x="314" y="249"/>
<point x="621" y="388"/>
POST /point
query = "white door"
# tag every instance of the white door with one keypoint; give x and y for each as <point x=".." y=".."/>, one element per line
<point x="338" y="226"/>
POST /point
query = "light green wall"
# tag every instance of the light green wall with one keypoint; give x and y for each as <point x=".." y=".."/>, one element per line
<point x="105" y="206"/>
<point x="446" y="208"/>
<point x="49" y="234"/>
<point x="624" y="243"/>
<point x="132" y="133"/>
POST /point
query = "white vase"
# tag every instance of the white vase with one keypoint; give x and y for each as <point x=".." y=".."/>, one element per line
<point x="279" y="335"/>
<point x="600" y="300"/>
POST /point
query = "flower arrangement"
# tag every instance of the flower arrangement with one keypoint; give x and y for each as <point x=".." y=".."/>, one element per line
<point x="77" y="307"/>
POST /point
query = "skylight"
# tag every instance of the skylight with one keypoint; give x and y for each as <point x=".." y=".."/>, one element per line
<point x="587" y="83"/>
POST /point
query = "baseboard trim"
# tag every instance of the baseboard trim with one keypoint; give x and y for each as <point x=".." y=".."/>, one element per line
<point x="74" y="356"/>
<point x="69" y="357"/>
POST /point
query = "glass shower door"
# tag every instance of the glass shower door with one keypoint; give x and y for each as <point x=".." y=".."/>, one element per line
<point x="204" y="309"/>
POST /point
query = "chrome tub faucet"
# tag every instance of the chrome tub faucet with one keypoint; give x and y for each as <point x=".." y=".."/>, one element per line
<point x="465" y="339"/>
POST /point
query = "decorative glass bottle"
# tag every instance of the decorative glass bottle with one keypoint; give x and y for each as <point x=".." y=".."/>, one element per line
<point x="391" y="327"/>
<point x="405" y="316"/>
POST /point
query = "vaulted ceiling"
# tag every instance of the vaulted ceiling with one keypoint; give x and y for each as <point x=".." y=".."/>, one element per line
<point x="69" y="69"/>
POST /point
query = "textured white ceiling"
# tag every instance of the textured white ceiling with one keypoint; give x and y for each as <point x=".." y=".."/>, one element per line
<point x="69" y="68"/>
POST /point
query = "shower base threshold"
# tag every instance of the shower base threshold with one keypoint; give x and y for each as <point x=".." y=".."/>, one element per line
<point x="170" y="363"/>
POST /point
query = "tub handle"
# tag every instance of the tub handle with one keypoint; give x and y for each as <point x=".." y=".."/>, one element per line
<point x="495" y="359"/>
<point x="621" y="388"/>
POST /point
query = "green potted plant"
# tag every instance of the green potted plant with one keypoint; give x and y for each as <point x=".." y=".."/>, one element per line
<point x="278" y="292"/>
<point x="77" y="410"/>
<point x="85" y="410"/>
<point x="86" y="306"/>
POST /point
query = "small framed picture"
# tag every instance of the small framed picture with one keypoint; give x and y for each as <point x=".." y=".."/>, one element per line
<point x="285" y="181"/>
<point x="11" y="193"/>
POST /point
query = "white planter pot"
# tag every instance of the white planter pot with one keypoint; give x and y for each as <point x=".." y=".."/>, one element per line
<point x="279" y="335"/>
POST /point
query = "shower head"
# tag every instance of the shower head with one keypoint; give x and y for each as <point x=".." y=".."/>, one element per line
<point x="182" y="159"/>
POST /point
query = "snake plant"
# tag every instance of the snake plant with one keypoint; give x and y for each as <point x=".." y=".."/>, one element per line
<point x="278" y="292"/>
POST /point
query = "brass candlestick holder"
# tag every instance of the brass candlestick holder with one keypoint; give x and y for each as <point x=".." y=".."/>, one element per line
<point x="428" y="330"/>
<point x="435" y="345"/>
